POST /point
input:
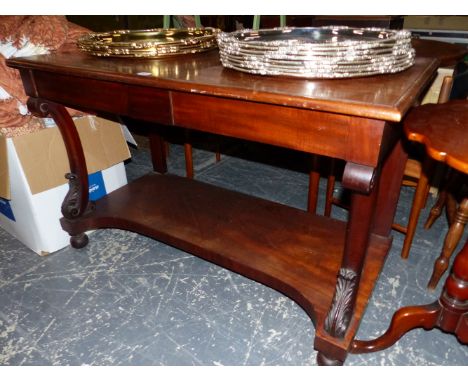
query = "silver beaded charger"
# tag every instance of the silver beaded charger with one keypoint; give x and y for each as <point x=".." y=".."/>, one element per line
<point x="325" y="52"/>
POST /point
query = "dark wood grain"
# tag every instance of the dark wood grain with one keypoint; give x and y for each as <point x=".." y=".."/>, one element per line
<point x="277" y="245"/>
<point x="385" y="97"/>
<point x="76" y="201"/>
<point x="435" y="125"/>
<point x="310" y="131"/>
<point x="316" y="261"/>
<point x="447" y="53"/>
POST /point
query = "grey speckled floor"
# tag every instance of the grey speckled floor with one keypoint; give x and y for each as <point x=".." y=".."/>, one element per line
<point x="128" y="300"/>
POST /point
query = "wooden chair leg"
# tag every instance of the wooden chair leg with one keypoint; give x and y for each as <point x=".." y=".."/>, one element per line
<point x="449" y="312"/>
<point x="451" y="241"/>
<point x="218" y="154"/>
<point x="188" y="155"/>
<point x="451" y="208"/>
<point x="188" y="151"/>
<point x="167" y="149"/>
<point x="188" y="160"/>
<point x="330" y="188"/>
<point x="436" y="209"/>
<point x="418" y="203"/>
<point x="444" y="200"/>
<point x="158" y="154"/>
<point x="314" y="179"/>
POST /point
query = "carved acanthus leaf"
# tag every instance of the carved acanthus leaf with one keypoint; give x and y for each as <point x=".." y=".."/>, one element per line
<point x="338" y="317"/>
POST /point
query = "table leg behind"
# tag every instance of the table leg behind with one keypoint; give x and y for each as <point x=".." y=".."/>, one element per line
<point x="158" y="151"/>
<point x="390" y="184"/>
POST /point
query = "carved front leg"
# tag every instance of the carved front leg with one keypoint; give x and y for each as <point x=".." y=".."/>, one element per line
<point x="76" y="202"/>
<point x="360" y="180"/>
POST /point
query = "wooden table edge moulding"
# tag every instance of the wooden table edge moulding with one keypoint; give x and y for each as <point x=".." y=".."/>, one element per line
<point x="328" y="267"/>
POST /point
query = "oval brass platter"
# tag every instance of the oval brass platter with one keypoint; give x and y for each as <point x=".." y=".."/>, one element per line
<point x="149" y="43"/>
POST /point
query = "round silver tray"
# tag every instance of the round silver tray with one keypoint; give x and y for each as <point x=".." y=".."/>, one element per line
<point x="326" y="52"/>
<point x="149" y="43"/>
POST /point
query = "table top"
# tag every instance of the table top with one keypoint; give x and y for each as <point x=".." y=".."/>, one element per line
<point x="385" y="97"/>
<point x="448" y="54"/>
<point x="443" y="129"/>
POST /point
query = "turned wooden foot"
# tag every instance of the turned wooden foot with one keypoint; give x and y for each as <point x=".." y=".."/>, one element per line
<point x="323" y="360"/>
<point x="79" y="241"/>
<point x="451" y="241"/>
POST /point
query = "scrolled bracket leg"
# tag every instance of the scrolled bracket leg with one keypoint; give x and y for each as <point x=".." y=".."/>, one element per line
<point x="76" y="202"/>
<point x="71" y="206"/>
<point x="361" y="180"/>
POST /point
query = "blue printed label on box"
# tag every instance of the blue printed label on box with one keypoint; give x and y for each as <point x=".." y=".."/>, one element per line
<point x="6" y="210"/>
<point x="97" y="189"/>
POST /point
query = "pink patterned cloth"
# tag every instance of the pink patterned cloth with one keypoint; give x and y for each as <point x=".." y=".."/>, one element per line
<point x="53" y="33"/>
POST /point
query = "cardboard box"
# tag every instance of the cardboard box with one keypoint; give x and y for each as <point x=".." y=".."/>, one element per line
<point x="32" y="182"/>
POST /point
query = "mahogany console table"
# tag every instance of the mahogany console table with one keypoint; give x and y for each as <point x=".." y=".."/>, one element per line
<point x="328" y="267"/>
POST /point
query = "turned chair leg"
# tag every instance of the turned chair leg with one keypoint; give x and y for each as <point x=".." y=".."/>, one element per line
<point x="330" y="188"/>
<point x="419" y="200"/>
<point x="444" y="199"/>
<point x="451" y="241"/>
<point x="188" y="151"/>
<point x="314" y="180"/>
<point x="167" y="149"/>
<point x="188" y="155"/>
<point x="218" y="153"/>
<point x="188" y="160"/>
<point x="436" y="209"/>
<point x="449" y="313"/>
<point x="451" y="208"/>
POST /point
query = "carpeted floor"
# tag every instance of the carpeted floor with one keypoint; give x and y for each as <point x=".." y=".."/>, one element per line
<point x="128" y="300"/>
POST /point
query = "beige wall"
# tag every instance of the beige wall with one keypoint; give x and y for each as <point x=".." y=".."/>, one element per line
<point x="436" y="22"/>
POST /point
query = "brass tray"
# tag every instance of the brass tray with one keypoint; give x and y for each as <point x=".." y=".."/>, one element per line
<point x="325" y="52"/>
<point x="149" y="43"/>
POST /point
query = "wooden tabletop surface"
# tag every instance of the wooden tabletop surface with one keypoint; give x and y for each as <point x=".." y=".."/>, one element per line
<point x="386" y="97"/>
<point x="448" y="54"/>
<point x="436" y="125"/>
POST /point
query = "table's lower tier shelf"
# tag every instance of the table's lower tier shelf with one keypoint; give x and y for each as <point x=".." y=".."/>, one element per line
<point x="290" y="250"/>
